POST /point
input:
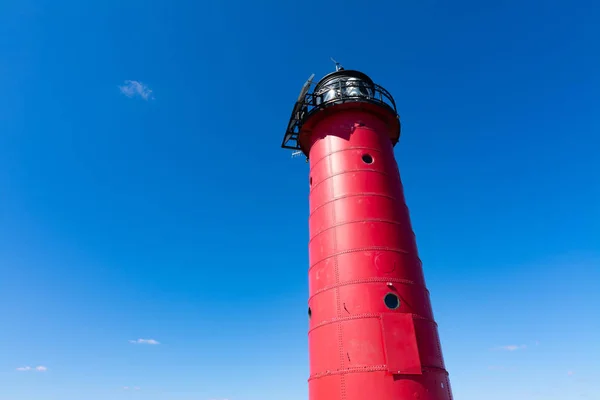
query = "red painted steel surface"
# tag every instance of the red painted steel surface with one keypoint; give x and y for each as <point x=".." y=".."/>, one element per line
<point x="361" y="248"/>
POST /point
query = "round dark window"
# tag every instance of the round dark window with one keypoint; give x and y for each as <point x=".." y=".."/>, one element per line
<point x="391" y="301"/>
<point x="309" y="313"/>
<point x="367" y="159"/>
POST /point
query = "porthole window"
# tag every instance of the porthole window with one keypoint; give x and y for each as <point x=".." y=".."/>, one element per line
<point x="309" y="313"/>
<point x="391" y="301"/>
<point x="367" y="159"/>
<point x="310" y="181"/>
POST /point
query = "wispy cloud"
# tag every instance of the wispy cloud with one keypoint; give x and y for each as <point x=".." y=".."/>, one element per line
<point x="144" y="341"/>
<point x="570" y="373"/>
<point x="39" y="368"/>
<point x="500" y="368"/>
<point x="511" y="347"/>
<point x="129" y="388"/>
<point x="134" y="88"/>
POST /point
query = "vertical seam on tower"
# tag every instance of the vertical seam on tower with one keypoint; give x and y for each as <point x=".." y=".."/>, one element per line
<point x="337" y="281"/>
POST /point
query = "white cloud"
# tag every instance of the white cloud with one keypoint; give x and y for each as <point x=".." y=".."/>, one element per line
<point x="136" y="388"/>
<point x="570" y="373"/>
<point x="125" y="387"/>
<point x="144" y="341"/>
<point x="135" y="88"/>
<point x="512" y="347"/>
<point x="39" y="368"/>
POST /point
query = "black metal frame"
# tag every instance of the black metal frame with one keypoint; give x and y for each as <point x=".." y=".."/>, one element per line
<point x="313" y="102"/>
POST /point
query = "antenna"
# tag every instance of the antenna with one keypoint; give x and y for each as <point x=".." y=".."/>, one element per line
<point x="298" y="154"/>
<point x="338" y="66"/>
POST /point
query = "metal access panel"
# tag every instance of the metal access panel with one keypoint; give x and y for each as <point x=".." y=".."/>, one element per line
<point x="400" y="344"/>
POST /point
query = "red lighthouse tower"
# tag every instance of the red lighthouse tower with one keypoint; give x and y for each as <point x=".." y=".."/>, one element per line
<point x="372" y="335"/>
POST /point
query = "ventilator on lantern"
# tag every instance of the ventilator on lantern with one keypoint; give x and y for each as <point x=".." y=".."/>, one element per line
<point x="372" y="335"/>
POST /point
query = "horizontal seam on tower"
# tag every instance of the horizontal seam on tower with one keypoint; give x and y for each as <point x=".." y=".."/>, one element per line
<point x="367" y="368"/>
<point x="352" y="195"/>
<point x="376" y="248"/>
<point x="346" y="172"/>
<point x="365" y="316"/>
<point x="368" y="280"/>
<point x="370" y="368"/>
<point x="387" y="221"/>
<point x="342" y="150"/>
<point x="434" y="369"/>
<point x="343" y="319"/>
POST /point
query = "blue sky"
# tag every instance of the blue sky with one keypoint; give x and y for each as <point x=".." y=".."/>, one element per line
<point x="177" y="218"/>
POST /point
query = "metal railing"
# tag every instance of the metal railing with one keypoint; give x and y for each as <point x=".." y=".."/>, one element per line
<point x="338" y="91"/>
<point x="341" y="90"/>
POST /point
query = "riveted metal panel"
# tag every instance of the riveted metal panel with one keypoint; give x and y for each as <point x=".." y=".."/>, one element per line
<point x="400" y="343"/>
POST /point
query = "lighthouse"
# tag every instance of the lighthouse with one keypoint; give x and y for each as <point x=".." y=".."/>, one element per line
<point x="372" y="333"/>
